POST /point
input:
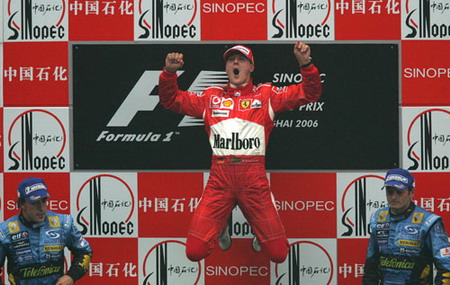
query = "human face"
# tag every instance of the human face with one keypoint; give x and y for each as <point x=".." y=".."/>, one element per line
<point x="398" y="200"/>
<point x="238" y="68"/>
<point x="34" y="212"/>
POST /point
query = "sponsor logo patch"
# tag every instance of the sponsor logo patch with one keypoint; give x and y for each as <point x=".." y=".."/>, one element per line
<point x="445" y="252"/>
<point x="409" y="250"/>
<point x="222" y="103"/>
<point x="397" y="177"/>
<point x="220" y="113"/>
<point x="248" y="104"/>
<point x="397" y="263"/>
<point x="236" y="142"/>
<point x="34" y="187"/>
<point x="413" y="243"/>
<point x="417" y="218"/>
<point x="382" y="234"/>
<point x="227" y="103"/>
<point x="23" y="252"/>
<point x="215" y="102"/>
<point x="383" y="226"/>
<point x="38" y="270"/>
<point x="20" y="235"/>
<point x="245" y="104"/>
<point x="13" y="227"/>
<point x="53" y="247"/>
<point x="411" y="230"/>
<point x="382" y="216"/>
<point x="21" y="244"/>
<point x="53" y="234"/>
<point x="256" y="104"/>
<point x="54" y="222"/>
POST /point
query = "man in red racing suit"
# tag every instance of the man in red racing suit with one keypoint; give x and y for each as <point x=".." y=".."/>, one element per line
<point x="238" y="119"/>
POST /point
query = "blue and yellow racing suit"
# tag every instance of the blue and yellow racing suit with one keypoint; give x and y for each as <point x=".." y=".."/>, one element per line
<point x="403" y="248"/>
<point x="35" y="252"/>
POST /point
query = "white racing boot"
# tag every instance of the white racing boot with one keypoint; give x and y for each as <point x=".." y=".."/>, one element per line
<point x="225" y="239"/>
<point x="255" y="244"/>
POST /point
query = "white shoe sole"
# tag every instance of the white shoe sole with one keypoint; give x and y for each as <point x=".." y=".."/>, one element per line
<point x="224" y="239"/>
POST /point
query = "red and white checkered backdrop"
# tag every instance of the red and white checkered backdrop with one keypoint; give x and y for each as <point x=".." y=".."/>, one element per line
<point x="136" y="219"/>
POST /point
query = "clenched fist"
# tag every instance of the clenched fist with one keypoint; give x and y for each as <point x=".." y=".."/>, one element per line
<point x="174" y="61"/>
<point x="302" y="52"/>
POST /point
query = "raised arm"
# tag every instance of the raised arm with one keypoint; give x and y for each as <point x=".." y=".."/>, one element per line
<point x="309" y="90"/>
<point x="171" y="97"/>
<point x="174" y="61"/>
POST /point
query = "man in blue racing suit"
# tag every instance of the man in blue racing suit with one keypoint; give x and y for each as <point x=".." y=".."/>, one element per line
<point x="406" y="240"/>
<point x="34" y="241"/>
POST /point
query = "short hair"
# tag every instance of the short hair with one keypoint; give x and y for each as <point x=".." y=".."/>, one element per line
<point x="20" y="201"/>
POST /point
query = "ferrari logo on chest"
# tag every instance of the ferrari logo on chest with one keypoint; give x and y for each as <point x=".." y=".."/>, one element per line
<point x="245" y="103"/>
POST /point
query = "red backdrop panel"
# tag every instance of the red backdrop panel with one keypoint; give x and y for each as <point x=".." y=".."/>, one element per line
<point x="114" y="262"/>
<point x="239" y="265"/>
<point x="432" y="193"/>
<point x="351" y="259"/>
<point x="425" y="79"/>
<point x="101" y="20"/>
<point x="367" y="22"/>
<point x="230" y="20"/>
<point x="1" y="144"/>
<point x="167" y="202"/>
<point x="303" y="199"/>
<point x="35" y="74"/>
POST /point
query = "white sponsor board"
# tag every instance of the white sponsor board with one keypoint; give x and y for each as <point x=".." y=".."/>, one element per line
<point x="164" y="261"/>
<point x="359" y="195"/>
<point x="38" y="20"/>
<point x="105" y="204"/>
<point x="425" y="19"/>
<point x="36" y="139"/>
<point x="159" y="20"/>
<point x="426" y="138"/>
<point x="298" y="20"/>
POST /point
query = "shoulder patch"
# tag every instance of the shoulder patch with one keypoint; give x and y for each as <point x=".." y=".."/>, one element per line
<point x="382" y="216"/>
<point x="417" y="218"/>
<point x="13" y="227"/>
<point x="431" y="219"/>
<point x="54" y="222"/>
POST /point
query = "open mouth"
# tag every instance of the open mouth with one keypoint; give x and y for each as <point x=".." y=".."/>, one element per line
<point x="236" y="71"/>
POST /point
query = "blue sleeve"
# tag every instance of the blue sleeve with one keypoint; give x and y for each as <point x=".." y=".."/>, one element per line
<point x="80" y="249"/>
<point x="2" y="255"/>
<point x="437" y="241"/>
<point x="2" y="249"/>
<point x="371" y="267"/>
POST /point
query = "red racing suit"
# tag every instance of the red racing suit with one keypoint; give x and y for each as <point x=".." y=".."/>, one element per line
<point x="238" y="122"/>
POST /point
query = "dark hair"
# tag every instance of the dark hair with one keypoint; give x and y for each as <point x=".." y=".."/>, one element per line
<point x="20" y="201"/>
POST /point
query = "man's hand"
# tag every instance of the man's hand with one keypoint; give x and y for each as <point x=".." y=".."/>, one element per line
<point x="302" y="52"/>
<point x="174" y="61"/>
<point x="64" y="280"/>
